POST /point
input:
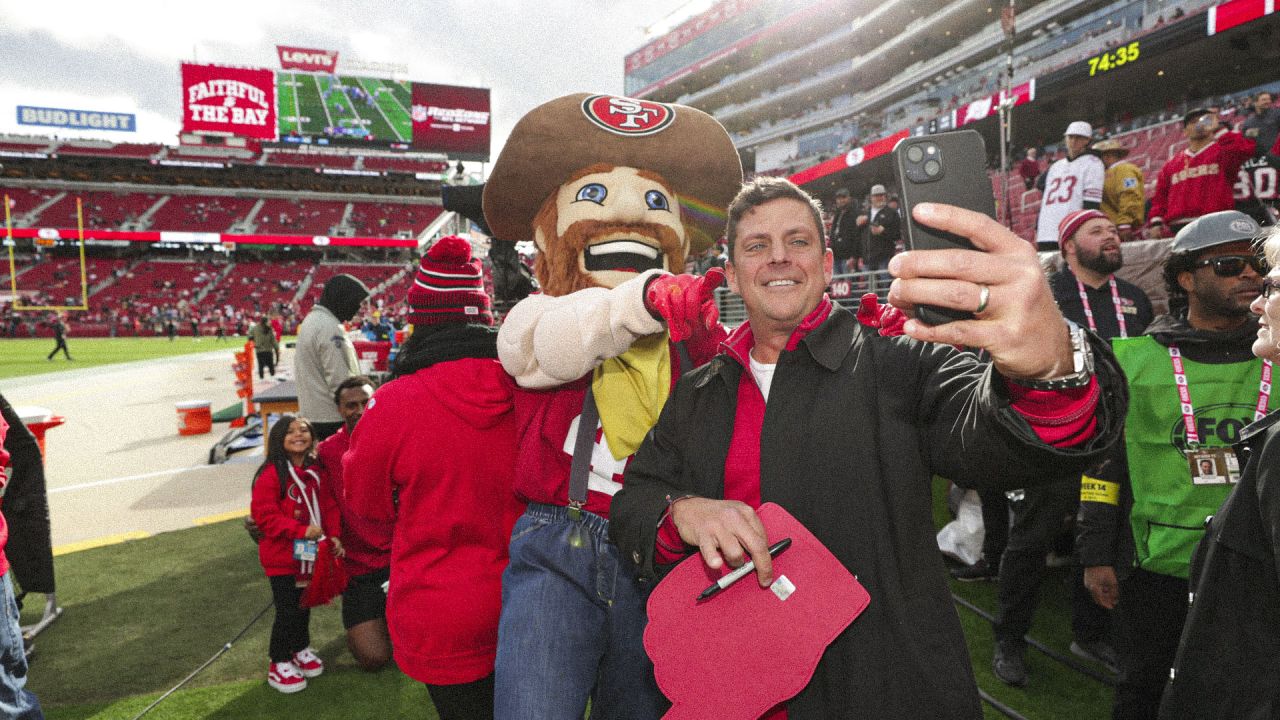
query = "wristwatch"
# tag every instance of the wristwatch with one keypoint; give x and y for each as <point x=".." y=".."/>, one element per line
<point x="1082" y="365"/>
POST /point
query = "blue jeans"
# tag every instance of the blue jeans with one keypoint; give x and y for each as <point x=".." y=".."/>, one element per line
<point x="572" y="625"/>
<point x="16" y="701"/>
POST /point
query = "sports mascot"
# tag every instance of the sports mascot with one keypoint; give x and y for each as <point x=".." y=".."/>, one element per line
<point x="616" y="193"/>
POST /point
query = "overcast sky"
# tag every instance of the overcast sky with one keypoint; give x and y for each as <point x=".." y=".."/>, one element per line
<point x="124" y="56"/>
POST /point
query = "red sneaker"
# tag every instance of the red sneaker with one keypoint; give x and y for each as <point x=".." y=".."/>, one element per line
<point x="308" y="663"/>
<point x="285" y="677"/>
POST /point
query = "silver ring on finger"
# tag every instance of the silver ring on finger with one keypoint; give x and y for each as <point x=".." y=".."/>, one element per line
<point x="984" y="297"/>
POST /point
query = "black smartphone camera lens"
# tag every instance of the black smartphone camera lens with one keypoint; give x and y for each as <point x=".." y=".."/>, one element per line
<point x="915" y="154"/>
<point x="932" y="168"/>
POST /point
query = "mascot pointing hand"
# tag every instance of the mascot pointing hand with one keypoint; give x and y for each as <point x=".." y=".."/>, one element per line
<point x="616" y="192"/>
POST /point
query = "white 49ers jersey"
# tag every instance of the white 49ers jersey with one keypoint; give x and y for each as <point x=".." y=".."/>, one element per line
<point x="1067" y="187"/>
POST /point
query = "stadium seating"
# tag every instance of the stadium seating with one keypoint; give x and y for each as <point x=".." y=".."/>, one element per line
<point x="219" y="213"/>
<point x="370" y="275"/>
<point x="311" y="160"/>
<point x="1150" y="148"/>
<point x="105" y="149"/>
<point x="56" y="280"/>
<point x="36" y="145"/>
<point x="200" y="213"/>
<point x="156" y="284"/>
<point x="387" y="219"/>
<point x="407" y="165"/>
<point x="254" y="286"/>
<point x="24" y="200"/>
<point x="299" y="217"/>
<point x="104" y="210"/>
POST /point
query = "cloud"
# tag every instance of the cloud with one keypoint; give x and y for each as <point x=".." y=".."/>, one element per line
<point x="525" y="51"/>
<point x="90" y="76"/>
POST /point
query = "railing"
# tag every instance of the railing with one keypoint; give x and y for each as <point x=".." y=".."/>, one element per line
<point x="845" y="291"/>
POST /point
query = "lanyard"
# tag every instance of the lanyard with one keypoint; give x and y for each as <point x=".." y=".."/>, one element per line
<point x="1115" y="302"/>
<point x="306" y="567"/>
<point x="1184" y="395"/>
<point x="311" y="501"/>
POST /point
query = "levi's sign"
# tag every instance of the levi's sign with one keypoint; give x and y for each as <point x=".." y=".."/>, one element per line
<point x="229" y="101"/>
<point x="80" y="119"/>
<point x="307" y="59"/>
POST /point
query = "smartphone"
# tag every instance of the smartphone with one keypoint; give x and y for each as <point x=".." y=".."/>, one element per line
<point x="948" y="168"/>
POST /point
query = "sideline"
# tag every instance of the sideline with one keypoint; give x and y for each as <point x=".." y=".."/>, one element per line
<point x="100" y="542"/>
<point x="128" y="478"/>
<point x="94" y="371"/>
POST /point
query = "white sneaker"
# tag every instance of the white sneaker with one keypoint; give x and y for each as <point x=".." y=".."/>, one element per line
<point x="308" y="663"/>
<point x="286" y="677"/>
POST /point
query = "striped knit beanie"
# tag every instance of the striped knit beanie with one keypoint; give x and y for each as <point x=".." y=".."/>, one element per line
<point x="449" y="286"/>
<point x="1072" y="222"/>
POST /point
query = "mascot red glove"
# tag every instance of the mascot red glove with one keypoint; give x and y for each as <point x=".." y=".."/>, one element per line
<point x="686" y="302"/>
<point x="886" y="317"/>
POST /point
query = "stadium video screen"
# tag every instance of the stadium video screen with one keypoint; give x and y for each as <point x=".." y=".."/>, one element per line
<point x="339" y="109"/>
<point x="451" y="120"/>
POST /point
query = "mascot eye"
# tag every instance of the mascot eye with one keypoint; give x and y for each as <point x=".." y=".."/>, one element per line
<point x="593" y="192"/>
<point x="656" y="200"/>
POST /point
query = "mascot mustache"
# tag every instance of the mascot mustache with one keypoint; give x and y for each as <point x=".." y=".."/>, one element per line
<point x="589" y="246"/>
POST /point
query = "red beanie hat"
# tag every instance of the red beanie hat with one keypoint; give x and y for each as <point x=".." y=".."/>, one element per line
<point x="449" y="286"/>
<point x="1072" y="222"/>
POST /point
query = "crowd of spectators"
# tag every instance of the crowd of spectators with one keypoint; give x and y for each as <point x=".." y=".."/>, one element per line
<point x="1036" y="56"/>
<point x="210" y="297"/>
<point x="1223" y="156"/>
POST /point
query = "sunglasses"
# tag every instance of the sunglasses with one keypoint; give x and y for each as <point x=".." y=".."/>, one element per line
<point x="1267" y="286"/>
<point x="1233" y="265"/>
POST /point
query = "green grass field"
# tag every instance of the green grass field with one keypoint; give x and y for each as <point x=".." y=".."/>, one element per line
<point x="1054" y="692"/>
<point x="310" y="102"/>
<point x="142" y="615"/>
<point x="23" y="356"/>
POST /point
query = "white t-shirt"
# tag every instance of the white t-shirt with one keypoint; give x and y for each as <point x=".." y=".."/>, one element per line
<point x="1068" y="185"/>
<point x="763" y="374"/>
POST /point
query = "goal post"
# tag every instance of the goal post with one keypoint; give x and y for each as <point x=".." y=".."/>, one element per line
<point x="17" y="304"/>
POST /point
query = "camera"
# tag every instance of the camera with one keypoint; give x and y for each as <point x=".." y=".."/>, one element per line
<point x="924" y="163"/>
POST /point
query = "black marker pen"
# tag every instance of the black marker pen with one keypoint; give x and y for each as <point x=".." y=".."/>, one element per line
<point x="774" y="551"/>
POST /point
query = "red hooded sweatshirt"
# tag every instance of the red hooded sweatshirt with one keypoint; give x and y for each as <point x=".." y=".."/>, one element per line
<point x="367" y="544"/>
<point x="434" y="453"/>
<point x="285" y="519"/>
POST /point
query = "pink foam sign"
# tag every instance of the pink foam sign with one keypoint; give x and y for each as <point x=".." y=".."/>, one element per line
<point x="746" y="649"/>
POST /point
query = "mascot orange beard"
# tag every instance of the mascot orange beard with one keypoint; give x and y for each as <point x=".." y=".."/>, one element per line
<point x="604" y="226"/>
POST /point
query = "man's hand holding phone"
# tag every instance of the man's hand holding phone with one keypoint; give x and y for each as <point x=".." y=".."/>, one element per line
<point x="1015" y="317"/>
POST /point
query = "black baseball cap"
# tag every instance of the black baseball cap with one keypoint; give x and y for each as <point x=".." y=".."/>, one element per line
<point x="1193" y="115"/>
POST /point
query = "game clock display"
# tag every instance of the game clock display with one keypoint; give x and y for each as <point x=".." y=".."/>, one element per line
<point x="1113" y="59"/>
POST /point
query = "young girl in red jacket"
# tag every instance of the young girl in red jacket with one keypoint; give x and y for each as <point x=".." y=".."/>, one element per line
<point x="294" y="516"/>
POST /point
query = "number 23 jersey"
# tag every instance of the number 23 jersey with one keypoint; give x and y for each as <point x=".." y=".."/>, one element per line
<point x="1067" y="187"/>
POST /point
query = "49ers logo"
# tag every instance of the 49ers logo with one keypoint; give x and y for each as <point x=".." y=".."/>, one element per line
<point x="627" y="116"/>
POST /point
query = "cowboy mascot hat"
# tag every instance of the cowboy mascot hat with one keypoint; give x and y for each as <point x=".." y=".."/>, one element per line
<point x="686" y="146"/>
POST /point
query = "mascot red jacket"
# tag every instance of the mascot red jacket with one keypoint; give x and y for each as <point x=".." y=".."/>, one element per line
<point x="616" y="193"/>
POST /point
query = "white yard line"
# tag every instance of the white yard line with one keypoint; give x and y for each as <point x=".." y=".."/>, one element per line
<point x="127" y="478"/>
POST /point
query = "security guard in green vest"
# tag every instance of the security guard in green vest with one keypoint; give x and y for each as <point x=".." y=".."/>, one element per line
<point x="1193" y="384"/>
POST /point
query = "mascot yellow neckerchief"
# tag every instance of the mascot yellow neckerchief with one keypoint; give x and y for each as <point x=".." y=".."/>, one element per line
<point x="616" y="192"/>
